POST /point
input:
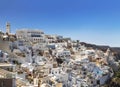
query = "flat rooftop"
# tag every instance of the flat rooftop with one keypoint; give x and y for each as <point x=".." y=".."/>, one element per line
<point x="6" y="64"/>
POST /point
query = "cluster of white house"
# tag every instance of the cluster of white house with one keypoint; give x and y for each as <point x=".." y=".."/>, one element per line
<point x="61" y="62"/>
<point x="55" y="61"/>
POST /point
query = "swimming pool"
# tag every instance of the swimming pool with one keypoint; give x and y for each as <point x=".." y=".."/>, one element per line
<point x="97" y="71"/>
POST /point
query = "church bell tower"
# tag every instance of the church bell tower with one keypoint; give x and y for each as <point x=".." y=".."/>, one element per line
<point x="8" y="27"/>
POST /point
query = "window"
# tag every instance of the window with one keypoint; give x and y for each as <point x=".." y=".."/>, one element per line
<point x="59" y="71"/>
<point x="98" y="81"/>
<point x="35" y="35"/>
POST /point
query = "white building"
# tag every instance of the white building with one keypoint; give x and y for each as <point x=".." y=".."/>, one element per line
<point x="30" y="35"/>
<point x="3" y="56"/>
<point x="63" y="52"/>
<point x="51" y="38"/>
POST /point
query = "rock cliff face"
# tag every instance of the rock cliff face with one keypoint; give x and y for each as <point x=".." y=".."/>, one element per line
<point x="115" y="50"/>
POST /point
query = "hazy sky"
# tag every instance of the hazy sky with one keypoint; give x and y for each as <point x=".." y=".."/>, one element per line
<point x="92" y="21"/>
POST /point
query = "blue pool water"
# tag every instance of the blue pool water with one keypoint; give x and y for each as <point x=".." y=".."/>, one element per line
<point x="98" y="71"/>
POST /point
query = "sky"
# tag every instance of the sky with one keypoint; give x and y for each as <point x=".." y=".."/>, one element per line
<point x="91" y="21"/>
